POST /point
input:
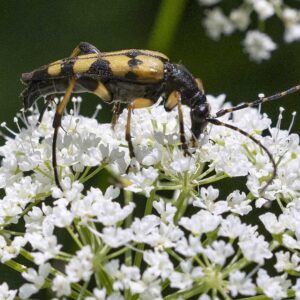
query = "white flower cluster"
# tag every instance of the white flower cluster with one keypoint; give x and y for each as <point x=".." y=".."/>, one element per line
<point x="161" y="230"/>
<point x="257" y="44"/>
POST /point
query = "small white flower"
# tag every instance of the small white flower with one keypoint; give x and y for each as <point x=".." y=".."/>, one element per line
<point x="116" y="237"/>
<point x="286" y="262"/>
<point x="274" y="287"/>
<point x="142" y="181"/>
<point x="296" y="289"/>
<point x="166" y="237"/>
<point x="238" y="203"/>
<point x="61" y="285"/>
<point x="271" y="223"/>
<point x="71" y="192"/>
<point x="240" y="17"/>
<point x="45" y="244"/>
<point x="6" y="293"/>
<point x="258" y="45"/>
<point x="290" y="242"/>
<point x="153" y="290"/>
<point x="207" y="201"/>
<point x="153" y="157"/>
<point x="216" y="24"/>
<point x="146" y="229"/>
<point x="62" y="217"/>
<point x="11" y="250"/>
<point x="166" y="211"/>
<point x="201" y="222"/>
<point x="97" y="294"/>
<point x="254" y="246"/>
<point x="189" y="247"/>
<point x="290" y="16"/>
<point x="80" y="266"/>
<point x="100" y="208"/>
<point x="231" y="227"/>
<point x="184" y="280"/>
<point x="218" y="252"/>
<point x="159" y="263"/>
<point x="183" y="164"/>
<point x="37" y="279"/>
<point x="292" y="33"/>
<point x="125" y="277"/>
<point x="240" y="284"/>
<point x="263" y="8"/>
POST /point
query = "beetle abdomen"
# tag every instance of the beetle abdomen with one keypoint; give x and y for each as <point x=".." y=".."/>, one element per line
<point x="37" y="89"/>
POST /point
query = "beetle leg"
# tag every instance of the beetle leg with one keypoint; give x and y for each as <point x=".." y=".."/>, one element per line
<point x="171" y="101"/>
<point x="200" y="85"/>
<point x="175" y="99"/>
<point x="181" y="127"/>
<point x="57" y="123"/>
<point x="49" y="99"/>
<point x="135" y="104"/>
<point x="116" y="112"/>
<point x="96" y="87"/>
<point x="84" y="48"/>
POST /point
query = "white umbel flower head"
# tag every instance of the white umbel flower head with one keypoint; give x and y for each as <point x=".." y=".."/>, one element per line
<point x="258" y="45"/>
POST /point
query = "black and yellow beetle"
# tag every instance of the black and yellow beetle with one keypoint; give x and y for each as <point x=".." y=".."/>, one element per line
<point x="136" y="77"/>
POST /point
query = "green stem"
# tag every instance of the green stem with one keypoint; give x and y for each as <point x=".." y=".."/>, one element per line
<point x="116" y="253"/>
<point x="181" y="204"/>
<point x="85" y="172"/>
<point x="74" y="236"/>
<point x="128" y="198"/>
<point x="211" y="179"/>
<point x="97" y="242"/>
<point x="166" y="187"/>
<point x="83" y="290"/>
<point x="202" y="175"/>
<point x="166" y="24"/>
<point x="187" y="294"/>
<point x="174" y="254"/>
<point x="5" y="231"/>
<point x="29" y="207"/>
<point x="49" y="175"/>
<point x="261" y="297"/>
<point x="15" y="266"/>
<point x="92" y="174"/>
<point x="140" y="247"/>
<point x="242" y="263"/>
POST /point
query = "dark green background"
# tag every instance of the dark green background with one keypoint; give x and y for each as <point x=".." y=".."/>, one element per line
<point x="34" y="33"/>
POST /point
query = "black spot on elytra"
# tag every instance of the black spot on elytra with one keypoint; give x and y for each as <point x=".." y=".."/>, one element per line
<point x="133" y="53"/>
<point x="40" y="74"/>
<point x="101" y="68"/>
<point x="134" y="62"/>
<point x="131" y="76"/>
<point x="67" y="68"/>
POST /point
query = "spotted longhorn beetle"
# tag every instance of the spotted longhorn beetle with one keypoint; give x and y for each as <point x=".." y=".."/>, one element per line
<point x="135" y="77"/>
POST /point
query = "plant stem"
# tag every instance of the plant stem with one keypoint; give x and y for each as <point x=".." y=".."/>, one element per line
<point x="140" y="247"/>
<point x="166" y="23"/>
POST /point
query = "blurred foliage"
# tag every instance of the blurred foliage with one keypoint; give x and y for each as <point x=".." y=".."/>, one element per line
<point x="34" y="33"/>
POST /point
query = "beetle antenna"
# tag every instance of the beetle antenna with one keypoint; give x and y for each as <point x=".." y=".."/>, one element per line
<point x="256" y="141"/>
<point x="258" y="101"/>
